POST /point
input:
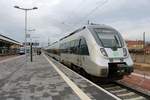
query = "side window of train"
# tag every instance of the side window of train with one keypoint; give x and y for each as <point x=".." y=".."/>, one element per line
<point x="65" y="47"/>
<point x="68" y="47"/>
<point x="83" y="47"/>
<point x="76" y="47"/>
<point x="61" y="48"/>
<point x="71" y="46"/>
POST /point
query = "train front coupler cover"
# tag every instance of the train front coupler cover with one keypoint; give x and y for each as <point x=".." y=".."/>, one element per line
<point x="119" y="69"/>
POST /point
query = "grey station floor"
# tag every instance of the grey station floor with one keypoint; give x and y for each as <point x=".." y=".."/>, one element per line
<point x="40" y="81"/>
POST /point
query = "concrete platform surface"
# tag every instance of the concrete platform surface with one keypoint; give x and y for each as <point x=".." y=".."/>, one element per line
<point x="7" y="57"/>
<point x="39" y="80"/>
<point x="34" y="81"/>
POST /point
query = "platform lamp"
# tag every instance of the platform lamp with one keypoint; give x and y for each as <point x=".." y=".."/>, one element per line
<point x="25" y="9"/>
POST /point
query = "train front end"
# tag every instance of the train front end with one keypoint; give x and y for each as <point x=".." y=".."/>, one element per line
<point x="114" y="58"/>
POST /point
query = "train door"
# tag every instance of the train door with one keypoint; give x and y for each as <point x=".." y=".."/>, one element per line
<point x="83" y="52"/>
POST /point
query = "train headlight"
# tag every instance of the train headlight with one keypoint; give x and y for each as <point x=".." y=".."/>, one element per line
<point x="103" y="52"/>
<point x="124" y="52"/>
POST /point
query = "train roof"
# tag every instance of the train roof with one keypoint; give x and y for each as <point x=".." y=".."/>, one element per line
<point x="99" y="26"/>
<point x="78" y="30"/>
<point x="88" y="26"/>
<point x="54" y="43"/>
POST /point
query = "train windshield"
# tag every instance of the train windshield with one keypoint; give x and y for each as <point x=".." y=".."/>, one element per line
<point x="109" y="38"/>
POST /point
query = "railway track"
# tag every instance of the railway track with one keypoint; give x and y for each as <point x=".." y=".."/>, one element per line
<point x="120" y="90"/>
<point x="124" y="92"/>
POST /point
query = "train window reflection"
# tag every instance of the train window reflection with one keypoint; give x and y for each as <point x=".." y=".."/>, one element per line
<point x="109" y="38"/>
<point x="83" y="47"/>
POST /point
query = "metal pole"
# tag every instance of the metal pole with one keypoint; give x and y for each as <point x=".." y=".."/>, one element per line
<point x="31" y="49"/>
<point x="25" y="9"/>
<point x="88" y="22"/>
<point x="144" y="45"/>
<point x="48" y="41"/>
<point x="26" y="34"/>
<point x="31" y="52"/>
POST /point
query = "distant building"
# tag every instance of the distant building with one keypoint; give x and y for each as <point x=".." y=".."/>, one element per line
<point x="8" y="46"/>
<point x="137" y="46"/>
<point x="131" y="44"/>
<point x="147" y="49"/>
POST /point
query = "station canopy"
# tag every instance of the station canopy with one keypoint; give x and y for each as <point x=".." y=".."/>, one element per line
<point x="8" y="40"/>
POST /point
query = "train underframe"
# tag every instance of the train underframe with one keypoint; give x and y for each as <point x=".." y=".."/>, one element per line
<point x="116" y="71"/>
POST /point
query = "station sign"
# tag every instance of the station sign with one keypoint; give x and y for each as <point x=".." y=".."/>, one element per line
<point x="33" y="43"/>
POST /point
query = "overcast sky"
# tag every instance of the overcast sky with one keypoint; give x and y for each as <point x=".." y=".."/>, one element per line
<point x="54" y="18"/>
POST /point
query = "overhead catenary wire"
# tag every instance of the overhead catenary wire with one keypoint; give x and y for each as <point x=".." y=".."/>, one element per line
<point x="99" y="4"/>
<point x="71" y="26"/>
<point x="76" y="8"/>
<point x="74" y="25"/>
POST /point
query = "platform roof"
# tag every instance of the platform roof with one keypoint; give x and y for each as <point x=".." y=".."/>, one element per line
<point x="7" y="39"/>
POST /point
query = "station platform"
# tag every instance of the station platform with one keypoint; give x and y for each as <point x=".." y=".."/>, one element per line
<point x="7" y="57"/>
<point x="45" y="79"/>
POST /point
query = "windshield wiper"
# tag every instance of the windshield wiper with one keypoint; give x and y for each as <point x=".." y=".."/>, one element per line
<point x="116" y="39"/>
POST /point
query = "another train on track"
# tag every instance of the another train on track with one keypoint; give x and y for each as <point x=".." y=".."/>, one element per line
<point x="98" y="50"/>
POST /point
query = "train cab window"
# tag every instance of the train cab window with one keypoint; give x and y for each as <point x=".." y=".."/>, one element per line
<point x="83" y="47"/>
<point x="109" y="38"/>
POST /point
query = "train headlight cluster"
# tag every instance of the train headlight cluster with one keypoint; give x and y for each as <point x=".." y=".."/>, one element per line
<point x="124" y="52"/>
<point x="103" y="52"/>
